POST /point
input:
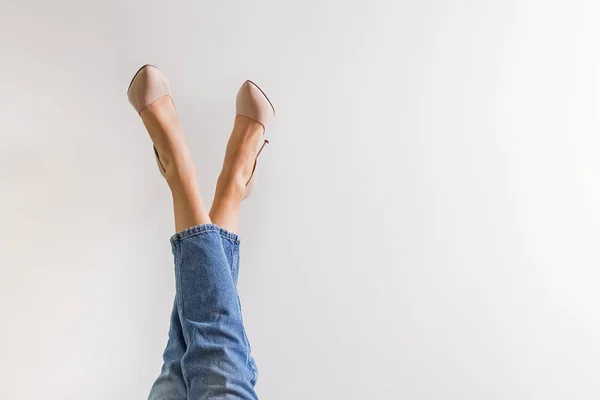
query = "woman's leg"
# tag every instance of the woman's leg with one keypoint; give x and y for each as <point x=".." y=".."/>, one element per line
<point x="166" y="132"/>
<point x="237" y="168"/>
<point x="163" y="125"/>
<point x="216" y="361"/>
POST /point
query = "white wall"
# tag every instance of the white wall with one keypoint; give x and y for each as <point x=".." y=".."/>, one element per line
<point x="426" y="225"/>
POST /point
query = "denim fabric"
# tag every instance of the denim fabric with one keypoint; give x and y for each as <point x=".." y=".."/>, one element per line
<point x="207" y="354"/>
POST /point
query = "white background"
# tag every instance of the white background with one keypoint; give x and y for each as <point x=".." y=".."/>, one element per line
<point x="427" y="218"/>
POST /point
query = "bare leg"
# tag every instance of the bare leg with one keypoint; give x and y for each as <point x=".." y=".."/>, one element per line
<point x="165" y="130"/>
<point x="237" y="168"/>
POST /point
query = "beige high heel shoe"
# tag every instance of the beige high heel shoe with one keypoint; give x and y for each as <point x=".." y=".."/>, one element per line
<point x="148" y="85"/>
<point x="253" y="103"/>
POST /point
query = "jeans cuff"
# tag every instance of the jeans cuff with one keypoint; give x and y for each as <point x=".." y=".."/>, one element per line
<point x="198" y="229"/>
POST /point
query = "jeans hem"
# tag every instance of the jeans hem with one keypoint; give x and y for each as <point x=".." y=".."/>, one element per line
<point x="199" y="229"/>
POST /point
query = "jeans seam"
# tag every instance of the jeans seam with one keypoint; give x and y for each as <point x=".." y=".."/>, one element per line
<point x="179" y="299"/>
<point x="178" y="276"/>
<point x="235" y="267"/>
<point x="248" y="350"/>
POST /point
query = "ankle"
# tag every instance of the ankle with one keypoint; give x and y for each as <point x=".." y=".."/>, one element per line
<point x="230" y="186"/>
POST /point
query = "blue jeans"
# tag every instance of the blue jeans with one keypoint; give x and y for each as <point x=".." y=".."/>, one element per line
<point x="207" y="354"/>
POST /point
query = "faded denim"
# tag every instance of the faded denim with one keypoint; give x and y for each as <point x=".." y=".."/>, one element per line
<point x="207" y="354"/>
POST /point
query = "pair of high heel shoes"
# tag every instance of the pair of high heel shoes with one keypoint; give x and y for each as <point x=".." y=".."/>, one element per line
<point x="150" y="84"/>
